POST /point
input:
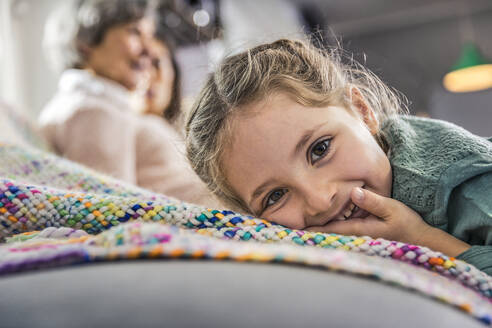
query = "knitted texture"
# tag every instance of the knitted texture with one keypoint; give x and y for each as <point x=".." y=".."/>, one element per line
<point x="429" y="158"/>
<point x="151" y="240"/>
<point x="40" y="191"/>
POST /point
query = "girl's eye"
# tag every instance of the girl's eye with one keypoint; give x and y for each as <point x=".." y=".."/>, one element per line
<point x="319" y="150"/>
<point x="134" y="30"/>
<point x="275" y="196"/>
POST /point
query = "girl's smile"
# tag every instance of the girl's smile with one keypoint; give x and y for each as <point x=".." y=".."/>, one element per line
<point x="291" y="133"/>
<point x="297" y="165"/>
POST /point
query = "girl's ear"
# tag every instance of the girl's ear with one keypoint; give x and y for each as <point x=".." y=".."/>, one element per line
<point x="364" y="110"/>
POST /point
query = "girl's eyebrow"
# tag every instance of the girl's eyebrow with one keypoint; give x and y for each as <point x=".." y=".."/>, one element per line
<point x="304" y="139"/>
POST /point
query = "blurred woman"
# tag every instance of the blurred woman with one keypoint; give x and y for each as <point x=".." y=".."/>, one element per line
<point x="163" y="96"/>
<point x="103" y="48"/>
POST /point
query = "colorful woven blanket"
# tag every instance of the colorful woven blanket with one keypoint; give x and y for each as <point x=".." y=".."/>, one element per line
<point x="54" y="212"/>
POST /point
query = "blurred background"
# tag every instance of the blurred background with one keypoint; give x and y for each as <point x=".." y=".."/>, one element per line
<point x="411" y="45"/>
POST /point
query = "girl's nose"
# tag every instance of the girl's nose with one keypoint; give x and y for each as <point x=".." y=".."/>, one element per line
<point x="145" y="51"/>
<point x="319" y="199"/>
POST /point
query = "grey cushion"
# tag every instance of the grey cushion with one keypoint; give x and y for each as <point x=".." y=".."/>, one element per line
<point x="213" y="294"/>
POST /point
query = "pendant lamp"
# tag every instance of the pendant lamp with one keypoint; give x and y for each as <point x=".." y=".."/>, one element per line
<point x="472" y="72"/>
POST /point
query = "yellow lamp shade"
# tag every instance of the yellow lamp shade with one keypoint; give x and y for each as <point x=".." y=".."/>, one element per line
<point x="471" y="73"/>
<point x="474" y="78"/>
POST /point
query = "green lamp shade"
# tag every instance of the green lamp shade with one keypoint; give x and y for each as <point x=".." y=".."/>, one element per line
<point x="471" y="73"/>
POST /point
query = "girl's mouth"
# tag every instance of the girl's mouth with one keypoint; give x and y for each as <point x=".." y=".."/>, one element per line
<point x="352" y="211"/>
<point x="358" y="213"/>
<point x="347" y="213"/>
<point x="136" y="65"/>
<point x="150" y="93"/>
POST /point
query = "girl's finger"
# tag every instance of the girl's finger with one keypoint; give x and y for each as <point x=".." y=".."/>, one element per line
<point x="373" y="203"/>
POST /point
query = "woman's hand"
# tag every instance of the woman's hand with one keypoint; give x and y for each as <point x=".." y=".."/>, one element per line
<point x="393" y="220"/>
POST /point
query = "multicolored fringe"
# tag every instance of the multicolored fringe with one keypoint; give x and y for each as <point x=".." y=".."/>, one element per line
<point x="40" y="190"/>
<point x="62" y="246"/>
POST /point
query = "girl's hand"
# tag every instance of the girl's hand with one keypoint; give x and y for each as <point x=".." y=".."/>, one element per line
<point x="388" y="219"/>
<point x="393" y="220"/>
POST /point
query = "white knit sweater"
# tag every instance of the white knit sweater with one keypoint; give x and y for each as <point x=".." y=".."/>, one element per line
<point x="89" y="120"/>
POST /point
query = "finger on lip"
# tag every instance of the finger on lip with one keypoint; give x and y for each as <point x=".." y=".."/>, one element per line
<point x="359" y="214"/>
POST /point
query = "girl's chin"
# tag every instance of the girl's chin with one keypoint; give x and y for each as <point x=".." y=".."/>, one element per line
<point x="136" y="80"/>
<point x="130" y="85"/>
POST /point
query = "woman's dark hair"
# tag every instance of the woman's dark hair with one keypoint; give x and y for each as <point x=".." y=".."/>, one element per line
<point x="173" y="110"/>
<point x="96" y="17"/>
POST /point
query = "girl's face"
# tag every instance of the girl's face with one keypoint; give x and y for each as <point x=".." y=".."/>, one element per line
<point x="123" y="54"/>
<point x="297" y="165"/>
<point x="160" y="92"/>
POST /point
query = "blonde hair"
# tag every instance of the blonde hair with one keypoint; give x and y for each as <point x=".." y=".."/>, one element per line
<point x="310" y="76"/>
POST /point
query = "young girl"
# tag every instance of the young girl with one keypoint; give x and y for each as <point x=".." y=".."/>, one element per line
<point x="288" y="133"/>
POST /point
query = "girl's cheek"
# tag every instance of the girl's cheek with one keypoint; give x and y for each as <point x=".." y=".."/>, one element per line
<point x="350" y="170"/>
<point x="290" y="215"/>
<point x="133" y="45"/>
<point x="346" y="163"/>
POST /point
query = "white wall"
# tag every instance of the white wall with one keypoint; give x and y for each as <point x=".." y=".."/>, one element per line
<point x="27" y="81"/>
<point x="26" y="78"/>
<point x="252" y="22"/>
<point x="245" y="23"/>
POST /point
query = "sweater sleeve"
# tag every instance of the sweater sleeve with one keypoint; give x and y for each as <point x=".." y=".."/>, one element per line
<point x="480" y="257"/>
<point x="470" y="219"/>
<point x="100" y="140"/>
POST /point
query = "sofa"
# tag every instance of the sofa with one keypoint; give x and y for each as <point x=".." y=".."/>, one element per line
<point x="82" y="249"/>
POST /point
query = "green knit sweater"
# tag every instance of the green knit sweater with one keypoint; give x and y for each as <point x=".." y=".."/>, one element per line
<point x="445" y="174"/>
